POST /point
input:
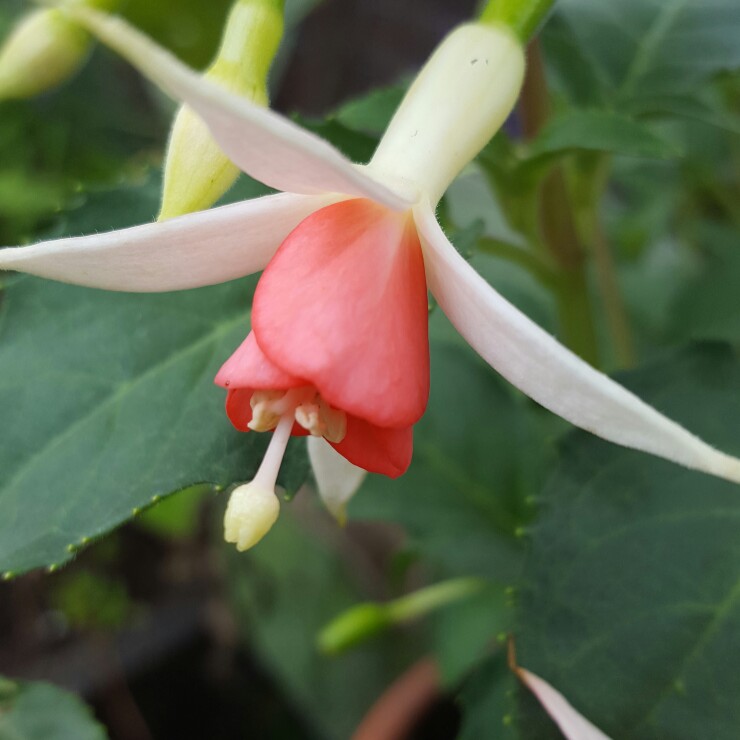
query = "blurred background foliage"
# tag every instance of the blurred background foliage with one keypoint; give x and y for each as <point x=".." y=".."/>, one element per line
<point x="608" y="210"/>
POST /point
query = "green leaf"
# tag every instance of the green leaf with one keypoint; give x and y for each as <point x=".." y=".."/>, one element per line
<point x="602" y="131"/>
<point x="353" y="144"/>
<point x="488" y="704"/>
<point x="631" y="600"/>
<point x="478" y="454"/>
<point x="40" y="711"/>
<point x="285" y="591"/>
<point x="371" y="113"/>
<point x="707" y="307"/>
<point x="640" y="49"/>
<point x="464" y="634"/>
<point x="108" y="404"/>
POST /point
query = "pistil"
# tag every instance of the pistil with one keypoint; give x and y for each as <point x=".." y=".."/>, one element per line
<point x="254" y="507"/>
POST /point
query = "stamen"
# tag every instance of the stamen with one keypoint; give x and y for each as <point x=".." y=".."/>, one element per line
<point x="309" y="417"/>
<point x="321" y="420"/>
<point x="267" y="408"/>
<point x="335" y="422"/>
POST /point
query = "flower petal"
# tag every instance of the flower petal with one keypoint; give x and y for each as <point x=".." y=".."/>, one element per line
<point x="375" y="449"/>
<point x="572" y="724"/>
<point x="248" y="367"/>
<point x="344" y="305"/>
<point x="263" y="143"/>
<point x="199" y="249"/>
<point x="546" y="371"/>
<point x="337" y="479"/>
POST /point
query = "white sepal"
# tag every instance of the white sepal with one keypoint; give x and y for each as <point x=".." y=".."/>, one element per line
<point x="547" y="371"/>
<point x="264" y="144"/>
<point x="198" y="249"/>
<point x="572" y="724"/>
<point x="336" y="478"/>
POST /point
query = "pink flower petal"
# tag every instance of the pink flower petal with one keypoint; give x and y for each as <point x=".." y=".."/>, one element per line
<point x="375" y="449"/>
<point x="248" y="367"/>
<point x="344" y="304"/>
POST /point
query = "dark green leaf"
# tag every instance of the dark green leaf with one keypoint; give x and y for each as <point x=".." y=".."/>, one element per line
<point x="355" y="145"/>
<point x="301" y="576"/>
<point x="478" y="454"/>
<point x="631" y="601"/>
<point x="108" y="403"/>
<point x="640" y="49"/>
<point x="371" y="113"/>
<point x="601" y="131"/>
<point x="464" y="634"/>
<point x="488" y="702"/>
<point x="40" y="711"/>
<point x="708" y="307"/>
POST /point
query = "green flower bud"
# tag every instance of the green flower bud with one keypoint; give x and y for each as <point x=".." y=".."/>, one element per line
<point x="197" y="173"/>
<point x="43" y="50"/>
<point x="353" y="627"/>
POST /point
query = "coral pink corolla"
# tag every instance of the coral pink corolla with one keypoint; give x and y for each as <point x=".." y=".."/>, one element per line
<point x="341" y="310"/>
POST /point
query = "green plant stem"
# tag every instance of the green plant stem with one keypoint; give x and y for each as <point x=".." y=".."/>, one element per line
<point x="528" y="259"/>
<point x="521" y="16"/>
<point x="364" y="621"/>
<point x="431" y="598"/>
<point x="595" y="179"/>
<point x="557" y="226"/>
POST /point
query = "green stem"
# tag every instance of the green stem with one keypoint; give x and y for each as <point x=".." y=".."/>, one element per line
<point x="431" y="598"/>
<point x="531" y="261"/>
<point x="595" y="179"/>
<point x="521" y="16"/>
<point x="558" y="234"/>
<point x="364" y="621"/>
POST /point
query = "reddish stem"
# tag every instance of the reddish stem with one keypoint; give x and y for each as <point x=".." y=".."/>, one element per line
<point x="399" y="709"/>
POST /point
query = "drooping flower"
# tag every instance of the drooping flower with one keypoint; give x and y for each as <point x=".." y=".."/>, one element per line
<point x="338" y="348"/>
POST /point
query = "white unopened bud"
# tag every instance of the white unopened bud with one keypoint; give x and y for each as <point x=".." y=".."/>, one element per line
<point x="252" y="510"/>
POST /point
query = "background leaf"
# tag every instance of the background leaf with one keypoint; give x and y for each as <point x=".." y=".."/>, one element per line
<point x="630" y="604"/>
<point x="285" y="591"/>
<point x="478" y="455"/>
<point x="603" y="131"/>
<point x="110" y="403"/>
<point x="39" y="711"/>
<point x="640" y="49"/>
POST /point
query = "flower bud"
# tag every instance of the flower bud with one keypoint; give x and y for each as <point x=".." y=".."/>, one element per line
<point x="43" y="50"/>
<point x="197" y="173"/>
<point x="353" y="627"/>
<point x="250" y="514"/>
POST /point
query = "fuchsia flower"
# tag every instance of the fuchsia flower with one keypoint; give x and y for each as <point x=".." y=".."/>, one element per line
<point x="339" y="348"/>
